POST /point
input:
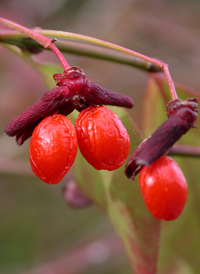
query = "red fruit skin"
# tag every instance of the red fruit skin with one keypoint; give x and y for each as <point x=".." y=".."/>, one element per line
<point x="53" y="148"/>
<point x="164" y="188"/>
<point x="102" y="138"/>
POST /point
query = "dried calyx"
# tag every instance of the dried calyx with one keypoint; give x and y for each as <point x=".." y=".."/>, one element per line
<point x="73" y="91"/>
<point x="181" y="117"/>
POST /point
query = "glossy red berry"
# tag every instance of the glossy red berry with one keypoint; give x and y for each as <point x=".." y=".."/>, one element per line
<point x="164" y="188"/>
<point x="102" y="138"/>
<point x="53" y="148"/>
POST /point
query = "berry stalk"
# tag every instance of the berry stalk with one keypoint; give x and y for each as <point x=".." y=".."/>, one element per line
<point x="109" y="45"/>
<point x="41" y="39"/>
<point x="94" y="41"/>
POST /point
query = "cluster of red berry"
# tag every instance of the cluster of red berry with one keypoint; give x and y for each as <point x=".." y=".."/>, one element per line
<point x="103" y="140"/>
<point x="99" y="133"/>
<point x="105" y="143"/>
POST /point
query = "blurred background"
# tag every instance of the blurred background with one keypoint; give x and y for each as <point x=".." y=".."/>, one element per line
<point x="39" y="233"/>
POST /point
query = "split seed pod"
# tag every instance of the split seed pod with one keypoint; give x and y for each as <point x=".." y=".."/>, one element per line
<point x="73" y="91"/>
<point x="181" y="117"/>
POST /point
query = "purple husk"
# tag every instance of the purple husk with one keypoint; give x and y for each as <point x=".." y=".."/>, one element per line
<point x="74" y="91"/>
<point x="181" y="117"/>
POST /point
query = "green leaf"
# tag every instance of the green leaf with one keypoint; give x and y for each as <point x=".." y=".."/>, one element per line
<point x="180" y="239"/>
<point x="47" y="70"/>
<point x="154" y="108"/>
<point x="156" y="97"/>
<point x="121" y="200"/>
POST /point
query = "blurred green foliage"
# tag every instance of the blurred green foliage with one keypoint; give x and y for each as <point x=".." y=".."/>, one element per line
<point x="37" y="227"/>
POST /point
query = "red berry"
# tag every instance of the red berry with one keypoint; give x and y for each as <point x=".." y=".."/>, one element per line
<point x="53" y="148"/>
<point x="164" y="188"/>
<point x="102" y="138"/>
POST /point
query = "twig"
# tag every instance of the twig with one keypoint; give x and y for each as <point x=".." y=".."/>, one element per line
<point x="99" y="42"/>
<point x="41" y="39"/>
<point x="187" y="151"/>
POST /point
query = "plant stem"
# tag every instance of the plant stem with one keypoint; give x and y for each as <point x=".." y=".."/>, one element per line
<point x="91" y="40"/>
<point x="183" y="150"/>
<point x="99" y="42"/>
<point x="83" y="49"/>
<point x="59" y="55"/>
<point x="41" y="39"/>
<point x="170" y="82"/>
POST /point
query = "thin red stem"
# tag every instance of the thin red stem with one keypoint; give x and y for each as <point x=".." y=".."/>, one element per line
<point x="159" y="63"/>
<point x="170" y="82"/>
<point x="59" y="55"/>
<point x="41" y="39"/>
<point x="47" y="43"/>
